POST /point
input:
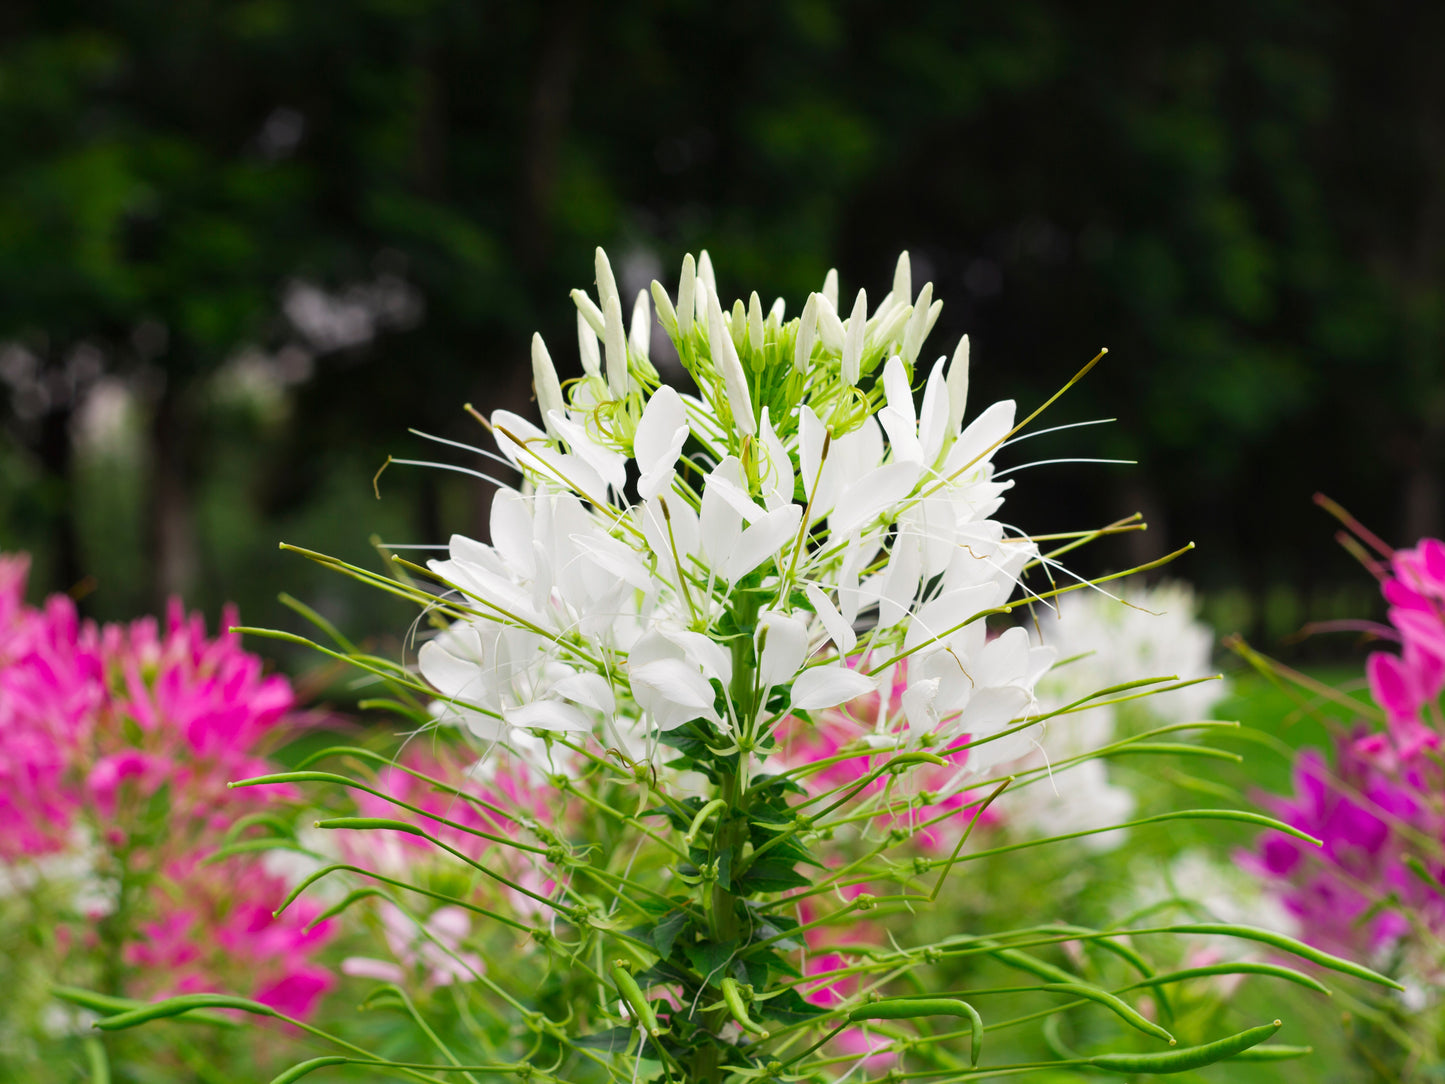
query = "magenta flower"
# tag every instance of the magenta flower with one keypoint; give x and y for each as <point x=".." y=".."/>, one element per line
<point x="116" y="744"/>
<point x="1373" y="889"/>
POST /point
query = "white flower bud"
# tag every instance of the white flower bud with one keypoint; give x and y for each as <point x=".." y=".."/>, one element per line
<point x="830" y="328"/>
<point x="807" y="334"/>
<point x="917" y="323"/>
<point x="615" y="347"/>
<point x="903" y="279"/>
<point x="606" y="283"/>
<point x="853" y="342"/>
<point x="665" y="312"/>
<point x="686" y="297"/>
<point x="587" y="309"/>
<point x="755" y="322"/>
<point x="704" y="271"/>
<point x="639" y="331"/>
<point x="545" y="383"/>
<point x="957" y="384"/>
<point x="587" y="346"/>
<point x="730" y="367"/>
<point x="830" y="287"/>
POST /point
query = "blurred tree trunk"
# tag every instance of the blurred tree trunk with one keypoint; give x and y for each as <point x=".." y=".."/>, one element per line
<point x="57" y="454"/>
<point x="173" y="541"/>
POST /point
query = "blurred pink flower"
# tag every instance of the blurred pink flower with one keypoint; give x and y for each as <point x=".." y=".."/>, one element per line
<point x="122" y="738"/>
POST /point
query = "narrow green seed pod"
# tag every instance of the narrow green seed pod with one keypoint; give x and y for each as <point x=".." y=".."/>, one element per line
<point x="1243" y="967"/>
<point x="305" y="1068"/>
<point x="1119" y="1007"/>
<point x="1290" y="945"/>
<point x="733" y="997"/>
<point x="175" y="1006"/>
<point x="1273" y="1052"/>
<point x="1034" y="966"/>
<point x="1181" y="1061"/>
<point x="635" y="998"/>
<point x="910" y="1008"/>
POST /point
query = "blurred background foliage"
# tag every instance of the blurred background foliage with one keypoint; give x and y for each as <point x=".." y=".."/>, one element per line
<point x="245" y="245"/>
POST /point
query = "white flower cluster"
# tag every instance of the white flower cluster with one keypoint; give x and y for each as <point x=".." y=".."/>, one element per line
<point x="1102" y="642"/>
<point x="775" y="543"/>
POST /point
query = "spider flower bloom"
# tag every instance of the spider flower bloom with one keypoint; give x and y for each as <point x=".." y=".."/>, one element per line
<point x="116" y="744"/>
<point x="798" y="492"/>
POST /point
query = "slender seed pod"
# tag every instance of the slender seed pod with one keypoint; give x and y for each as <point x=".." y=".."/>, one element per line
<point x="1273" y="1052"/>
<point x="1290" y="945"/>
<point x="1181" y="1061"/>
<point x="1119" y="1007"/>
<point x="175" y="1006"/>
<point x="1024" y="962"/>
<point x="1246" y="967"/>
<point x="305" y="1068"/>
<point x="911" y="1008"/>
<point x="635" y="998"/>
<point x="733" y="997"/>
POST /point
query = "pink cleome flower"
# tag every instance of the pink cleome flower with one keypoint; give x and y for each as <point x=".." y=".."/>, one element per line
<point x="118" y="740"/>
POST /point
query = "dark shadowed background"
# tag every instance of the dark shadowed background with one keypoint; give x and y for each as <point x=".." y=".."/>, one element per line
<point x="245" y="245"/>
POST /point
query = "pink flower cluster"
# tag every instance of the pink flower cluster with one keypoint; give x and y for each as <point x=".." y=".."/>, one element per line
<point x="1374" y="886"/>
<point x="116" y="744"/>
<point x="1407" y="685"/>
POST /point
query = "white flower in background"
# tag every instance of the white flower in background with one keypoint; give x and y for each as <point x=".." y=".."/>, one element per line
<point x="1101" y="642"/>
<point x="775" y="541"/>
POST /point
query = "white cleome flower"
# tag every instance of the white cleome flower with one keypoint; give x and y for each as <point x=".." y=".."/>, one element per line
<point x="812" y="514"/>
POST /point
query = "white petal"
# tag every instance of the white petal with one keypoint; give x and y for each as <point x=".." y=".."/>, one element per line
<point x="828" y="686"/>
<point x="898" y="418"/>
<point x="933" y="418"/>
<point x="875" y="492"/>
<point x="785" y="647"/>
<point x="588" y="690"/>
<point x="658" y="441"/>
<point x="839" y="631"/>
<point x="777" y="467"/>
<point x="982" y="437"/>
<point x="547" y="715"/>
<point x="511" y="527"/>
<point x="765" y="538"/>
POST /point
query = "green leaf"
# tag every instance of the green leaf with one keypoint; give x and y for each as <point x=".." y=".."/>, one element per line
<point x="664" y="934"/>
<point x="710" y="957"/>
<point x="771" y="875"/>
